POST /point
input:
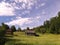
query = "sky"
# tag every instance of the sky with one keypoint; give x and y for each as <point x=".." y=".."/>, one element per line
<point x="27" y="13"/>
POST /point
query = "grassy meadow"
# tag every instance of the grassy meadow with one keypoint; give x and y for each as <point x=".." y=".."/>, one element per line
<point x="20" y="38"/>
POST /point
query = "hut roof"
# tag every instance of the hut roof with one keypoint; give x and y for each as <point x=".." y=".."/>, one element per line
<point x="30" y="31"/>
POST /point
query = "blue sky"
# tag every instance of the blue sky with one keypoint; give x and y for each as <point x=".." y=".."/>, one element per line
<point x="27" y="13"/>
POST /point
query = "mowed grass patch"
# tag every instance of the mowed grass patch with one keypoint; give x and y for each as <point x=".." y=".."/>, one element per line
<point x="20" y="38"/>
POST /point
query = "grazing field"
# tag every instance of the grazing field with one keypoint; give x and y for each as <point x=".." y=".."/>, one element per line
<point x="20" y="38"/>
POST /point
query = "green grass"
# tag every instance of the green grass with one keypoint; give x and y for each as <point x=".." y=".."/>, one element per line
<point x="20" y="38"/>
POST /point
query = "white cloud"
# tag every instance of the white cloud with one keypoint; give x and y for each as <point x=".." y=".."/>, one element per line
<point x="26" y="4"/>
<point x="43" y="4"/>
<point x="19" y="21"/>
<point x="37" y="17"/>
<point x="40" y="5"/>
<point x="26" y="12"/>
<point x="21" y="1"/>
<point x="6" y="9"/>
<point x="22" y="21"/>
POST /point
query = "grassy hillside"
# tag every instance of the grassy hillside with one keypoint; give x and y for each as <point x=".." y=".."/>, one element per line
<point x="20" y="38"/>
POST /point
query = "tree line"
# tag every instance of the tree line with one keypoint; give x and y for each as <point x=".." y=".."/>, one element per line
<point x="50" y="26"/>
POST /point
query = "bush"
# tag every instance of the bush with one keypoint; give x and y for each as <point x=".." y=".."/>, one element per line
<point x="42" y="30"/>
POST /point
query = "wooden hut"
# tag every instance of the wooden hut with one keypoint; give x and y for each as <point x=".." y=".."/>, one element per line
<point x="9" y="32"/>
<point x="30" y="32"/>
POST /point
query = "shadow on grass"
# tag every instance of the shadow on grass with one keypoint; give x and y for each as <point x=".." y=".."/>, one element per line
<point x="2" y="40"/>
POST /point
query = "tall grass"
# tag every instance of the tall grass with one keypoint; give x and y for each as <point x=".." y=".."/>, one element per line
<point x="20" y="38"/>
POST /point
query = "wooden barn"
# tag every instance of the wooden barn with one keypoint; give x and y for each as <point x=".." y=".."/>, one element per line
<point x="9" y="32"/>
<point x="31" y="32"/>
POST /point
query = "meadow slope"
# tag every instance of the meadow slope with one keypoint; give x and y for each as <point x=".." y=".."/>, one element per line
<point x="20" y="38"/>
